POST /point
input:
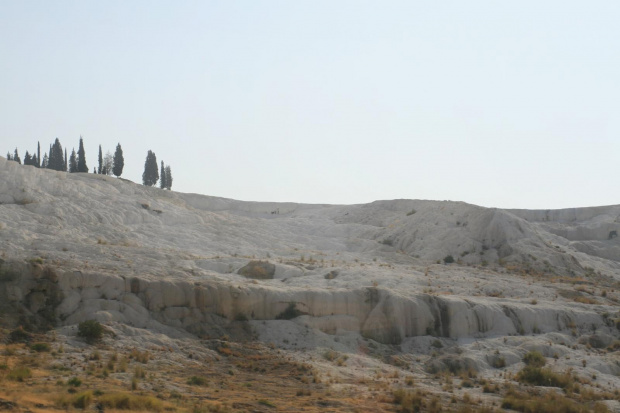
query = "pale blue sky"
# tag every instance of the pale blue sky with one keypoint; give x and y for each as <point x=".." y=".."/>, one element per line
<point x="507" y="104"/>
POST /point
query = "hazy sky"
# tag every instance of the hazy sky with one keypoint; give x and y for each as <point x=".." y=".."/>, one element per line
<point x="507" y="104"/>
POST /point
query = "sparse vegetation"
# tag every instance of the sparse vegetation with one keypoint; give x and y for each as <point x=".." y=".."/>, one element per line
<point x="80" y="400"/>
<point x="129" y="401"/>
<point x="408" y="401"/>
<point x="19" y="373"/>
<point x="544" y="377"/>
<point x="548" y="403"/>
<point x="266" y="403"/>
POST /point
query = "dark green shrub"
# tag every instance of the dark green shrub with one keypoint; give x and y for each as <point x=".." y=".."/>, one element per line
<point x="75" y="382"/>
<point x="290" y="312"/>
<point x="90" y="330"/>
<point x="41" y="347"/>
<point x="448" y="259"/>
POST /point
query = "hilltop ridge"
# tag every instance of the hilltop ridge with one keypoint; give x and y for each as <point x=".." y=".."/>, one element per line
<point x="399" y="276"/>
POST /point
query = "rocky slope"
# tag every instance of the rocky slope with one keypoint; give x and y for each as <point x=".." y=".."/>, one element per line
<point x="81" y="246"/>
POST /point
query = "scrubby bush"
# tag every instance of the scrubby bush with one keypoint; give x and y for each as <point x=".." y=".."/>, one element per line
<point x="544" y="377"/>
<point x="74" y="381"/>
<point x="90" y="330"/>
<point x="197" y="381"/>
<point x="83" y="400"/>
<point x="128" y="401"/>
<point x="408" y="401"/>
<point x="448" y="259"/>
<point x="330" y="355"/>
<point x="80" y="400"/>
<point x="19" y="335"/>
<point x="534" y="359"/>
<point x="41" y="347"/>
<point x="498" y="362"/>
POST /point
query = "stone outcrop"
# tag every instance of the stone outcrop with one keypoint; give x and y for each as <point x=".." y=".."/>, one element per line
<point x="49" y="296"/>
<point x="258" y="270"/>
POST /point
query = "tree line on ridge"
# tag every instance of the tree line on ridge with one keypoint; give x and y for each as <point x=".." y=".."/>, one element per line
<point x="108" y="164"/>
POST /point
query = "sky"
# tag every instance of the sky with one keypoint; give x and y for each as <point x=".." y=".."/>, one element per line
<point x="499" y="104"/>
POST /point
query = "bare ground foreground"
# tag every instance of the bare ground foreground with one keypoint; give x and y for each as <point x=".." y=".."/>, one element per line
<point x="216" y="305"/>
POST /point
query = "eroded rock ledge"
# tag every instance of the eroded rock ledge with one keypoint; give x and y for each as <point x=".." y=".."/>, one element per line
<point x="45" y="296"/>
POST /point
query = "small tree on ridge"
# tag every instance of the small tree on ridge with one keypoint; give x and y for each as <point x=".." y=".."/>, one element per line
<point x="151" y="174"/>
<point x="118" y="161"/>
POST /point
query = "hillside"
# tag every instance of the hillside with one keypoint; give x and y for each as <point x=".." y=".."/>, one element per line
<point x="372" y="282"/>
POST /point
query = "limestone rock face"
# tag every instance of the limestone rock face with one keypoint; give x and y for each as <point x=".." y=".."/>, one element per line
<point x="29" y="295"/>
<point x="379" y="314"/>
<point x="80" y="246"/>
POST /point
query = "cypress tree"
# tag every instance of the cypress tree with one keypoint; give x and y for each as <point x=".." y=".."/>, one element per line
<point x="168" y="178"/>
<point x="82" y="157"/>
<point x="118" y="162"/>
<point x="16" y="157"/>
<point x="150" y="174"/>
<point x="73" y="162"/>
<point x="56" y="159"/>
<point x="35" y="161"/>
<point x="27" y="159"/>
<point x="45" y="161"/>
<point x="38" y="154"/>
<point x="100" y="161"/>
<point x="162" y="176"/>
<point x="65" y="163"/>
<point x="8" y="156"/>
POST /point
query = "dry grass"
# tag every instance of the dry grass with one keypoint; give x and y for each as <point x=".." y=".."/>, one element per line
<point x="550" y="402"/>
<point x="251" y="377"/>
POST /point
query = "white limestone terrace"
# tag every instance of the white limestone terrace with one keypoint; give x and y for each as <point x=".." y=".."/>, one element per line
<point x="166" y="260"/>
